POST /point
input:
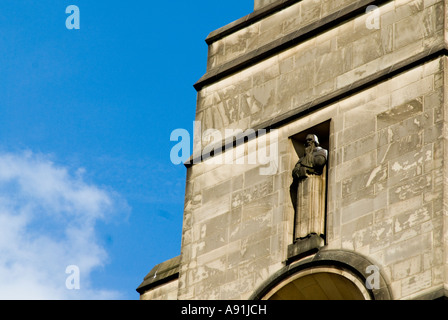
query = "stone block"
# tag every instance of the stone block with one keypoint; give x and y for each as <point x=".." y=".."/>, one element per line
<point x="286" y="65"/>
<point x="363" y="180"/>
<point x="265" y="75"/>
<point x="364" y="193"/>
<point x="311" y="11"/>
<point x="261" y="223"/>
<point x="274" y="21"/>
<point x="260" y="209"/>
<point x="382" y="233"/>
<point x="357" y="165"/>
<point x="215" y="226"/>
<point x="216" y="191"/>
<point x="407" y="31"/>
<point x="257" y="268"/>
<point x="433" y="133"/>
<point x="365" y="106"/>
<point x="259" y="4"/>
<point x="416" y="283"/>
<point x="411" y="218"/>
<point x="213" y="208"/>
<point x="251" y="251"/>
<point x="304" y="247"/>
<point x="393" y="150"/>
<point x="415" y="124"/>
<point x="399" y="113"/>
<point x="357" y="209"/>
<point x="334" y="6"/>
<point x="413" y="90"/>
<point x="406" y="249"/>
<point x="438" y="114"/>
<point x="361" y="129"/>
<point x="407" y="267"/>
<point x="235" y="44"/>
<point x="410" y="188"/>
<point x="358" y="231"/>
<point x="368" y="48"/>
<point x="292" y="21"/>
<point x="412" y="164"/>
<point x="359" y="147"/>
<point x="334" y="59"/>
<point x="265" y="93"/>
<point x="252" y="193"/>
<point x="387" y="37"/>
<point x="432" y="19"/>
<point x="306" y="55"/>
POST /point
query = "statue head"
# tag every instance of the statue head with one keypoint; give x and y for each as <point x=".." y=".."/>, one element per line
<point x="312" y="138"/>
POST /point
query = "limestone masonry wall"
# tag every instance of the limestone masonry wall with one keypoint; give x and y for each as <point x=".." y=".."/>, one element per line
<point x="387" y="145"/>
<point x="385" y="195"/>
<point x="330" y="63"/>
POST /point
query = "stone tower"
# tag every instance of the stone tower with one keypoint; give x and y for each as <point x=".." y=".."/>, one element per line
<point x="368" y="79"/>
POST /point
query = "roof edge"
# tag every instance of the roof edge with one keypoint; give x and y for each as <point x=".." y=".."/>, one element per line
<point x="162" y="273"/>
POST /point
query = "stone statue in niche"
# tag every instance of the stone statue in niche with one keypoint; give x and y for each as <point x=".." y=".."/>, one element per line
<point x="308" y="190"/>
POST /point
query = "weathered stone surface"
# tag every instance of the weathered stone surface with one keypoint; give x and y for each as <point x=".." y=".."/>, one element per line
<point x="252" y="193"/>
<point x="399" y="113"/>
<point x="258" y="4"/>
<point x="416" y="283"/>
<point x="168" y="291"/>
<point x="382" y="190"/>
<point x="360" y="147"/>
<point x="161" y="282"/>
<point x="301" y="248"/>
<point x="407" y="267"/>
<point x="387" y="149"/>
<point x="330" y="61"/>
<point x="410" y="188"/>
<point x="359" y="182"/>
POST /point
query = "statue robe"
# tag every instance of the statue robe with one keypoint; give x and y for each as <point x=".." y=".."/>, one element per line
<point x="310" y="206"/>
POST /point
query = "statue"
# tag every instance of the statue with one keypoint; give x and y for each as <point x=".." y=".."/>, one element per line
<point x="308" y="190"/>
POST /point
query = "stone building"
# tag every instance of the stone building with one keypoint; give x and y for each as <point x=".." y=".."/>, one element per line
<point x="368" y="79"/>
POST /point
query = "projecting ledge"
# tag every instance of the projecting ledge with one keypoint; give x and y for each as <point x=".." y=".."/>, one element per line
<point x="160" y="274"/>
<point x="304" y="247"/>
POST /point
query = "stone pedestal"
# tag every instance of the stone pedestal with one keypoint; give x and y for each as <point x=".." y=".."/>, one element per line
<point x="304" y="247"/>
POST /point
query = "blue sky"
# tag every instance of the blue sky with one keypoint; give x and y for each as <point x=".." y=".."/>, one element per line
<point x="85" y="123"/>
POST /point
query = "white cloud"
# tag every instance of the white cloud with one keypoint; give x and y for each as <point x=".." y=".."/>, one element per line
<point x="47" y="223"/>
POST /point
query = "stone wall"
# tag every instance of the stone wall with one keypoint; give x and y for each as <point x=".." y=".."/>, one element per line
<point x="382" y="91"/>
<point x="167" y="291"/>
<point x="273" y="27"/>
<point x="385" y="195"/>
<point x="329" y="64"/>
<point x="258" y="4"/>
<point x="387" y="190"/>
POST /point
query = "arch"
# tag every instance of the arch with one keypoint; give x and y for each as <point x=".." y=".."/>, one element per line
<point x="319" y="283"/>
<point x="329" y="274"/>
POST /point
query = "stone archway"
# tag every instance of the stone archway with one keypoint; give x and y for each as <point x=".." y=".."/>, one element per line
<point x="319" y="284"/>
<point x="326" y="275"/>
